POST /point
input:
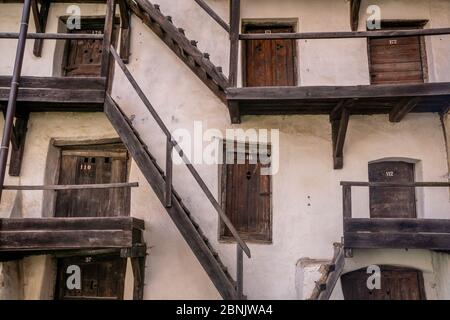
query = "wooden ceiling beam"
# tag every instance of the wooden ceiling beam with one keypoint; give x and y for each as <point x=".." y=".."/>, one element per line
<point x="355" y="5"/>
<point x="404" y="106"/>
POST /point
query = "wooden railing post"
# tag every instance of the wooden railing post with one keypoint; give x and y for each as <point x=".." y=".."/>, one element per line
<point x="14" y="89"/>
<point x="169" y="166"/>
<point x="235" y="18"/>
<point x="347" y="201"/>
<point x="107" y="36"/>
<point x="239" y="272"/>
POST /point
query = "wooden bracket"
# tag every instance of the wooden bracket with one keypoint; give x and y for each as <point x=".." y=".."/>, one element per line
<point x="355" y="5"/>
<point x="125" y="30"/>
<point x="339" y="118"/>
<point x="40" y="20"/>
<point x="403" y="107"/>
<point x="18" y="144"/>
<point x="235" y="115"/>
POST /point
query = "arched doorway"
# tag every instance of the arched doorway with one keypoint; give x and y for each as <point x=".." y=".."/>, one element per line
<point x="396" y="284"/>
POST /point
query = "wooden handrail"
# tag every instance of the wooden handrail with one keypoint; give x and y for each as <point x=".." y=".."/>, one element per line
<point x="73" y="186"/>
<point x="213" y="14"/>
<point x="180" y="151"/>
<point x="345" y="34"/>
<point x="395" y="184"/>
<point x="55" y="36"/>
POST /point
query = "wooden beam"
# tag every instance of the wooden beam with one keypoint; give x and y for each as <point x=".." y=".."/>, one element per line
<point x="125" y="31"/>
<point x="404" y="106"/>
<point x="407" y="225"/>
<point x="395" y="184"/>
<point x="90" y="83"/>
<point x="213" y="15"/>
<point x="339" y="131"/>
<point x="339" y="92"/>
<point x="336" y="270"/>
<point x="19" y="135"/>
<point x="40" y="20"/>
<point x="138" y="267"/>
<point x="233" y="108"/>
<point x="107" y="37"/>
<point x="54" y="36"/>
<point x="355" y="6"/>
<point x="75" y="186"/>
<point x="345" y="34"/>
<point x="235" y="24"/>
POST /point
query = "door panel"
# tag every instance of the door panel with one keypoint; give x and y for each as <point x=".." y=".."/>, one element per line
<point x="270" y="62"/>
<point x="396" y="284"/>
<point x="392" y="202"/>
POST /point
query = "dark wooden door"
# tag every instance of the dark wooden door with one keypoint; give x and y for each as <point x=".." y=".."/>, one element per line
<point x="270" y="62"/>
<point x="392" y="202"/>
<point x="102" y="277"/>
<point x="396" y="60"/>
<point x="84" y="57"/>
<point x="248" y="195"/>
<point x="396" y="284"/>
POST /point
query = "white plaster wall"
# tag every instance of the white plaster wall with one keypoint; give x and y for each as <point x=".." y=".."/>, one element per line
<point x="306" y="193"/>
<point x="441" y="263"/>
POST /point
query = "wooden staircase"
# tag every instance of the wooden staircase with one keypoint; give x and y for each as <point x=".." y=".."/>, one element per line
<point x="184" y="48"/>
<point x="180" y="215"/>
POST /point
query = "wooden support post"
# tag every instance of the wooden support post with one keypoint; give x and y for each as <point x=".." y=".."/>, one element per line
<point x="125" y="31"/>
<point x="339" y="126"/>
<point x="355" y="5"/>
<point x="169" y="166"/>
<point x="402" y="108"/>
<point x="347" y="201"/>
<point x="138" y="266"/>
<point x="235" y="19"/>
<point x="107" y="36"/>
<point x="233" y="108"/>
<point x="239" y="272"/>
<point x="40" y="20"/>
<point x="18" y="146"/>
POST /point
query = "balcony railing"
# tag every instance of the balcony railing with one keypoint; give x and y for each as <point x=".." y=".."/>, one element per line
<point x="400" y="233"/>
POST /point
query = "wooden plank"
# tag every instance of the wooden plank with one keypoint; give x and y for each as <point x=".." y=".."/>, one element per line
<point x="235" y="21"/>
<point x="396" y="184"/>
<point x="339" y="92"/>
<point x="355" y="6"/>
<point x="54" y="36"/>
<point x="405" y="106"/>
<point x="401" y="240"/>
<point x="54" y="96"/>
<point x="74" y="186"/>
<point x="85" y="223"/>
<point x="79" y="83"/>
<point x="213" y="15"/>
<point x="346" y="34"/>
<point x="347" y="201"/>
<point x="397" y="225"/>
<point x="107" y="37"/>
<point x="35" y="240"/>
<point x="336" y="270"/>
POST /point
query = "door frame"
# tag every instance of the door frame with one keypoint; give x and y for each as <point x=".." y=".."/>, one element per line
<point x="269" y="23"/>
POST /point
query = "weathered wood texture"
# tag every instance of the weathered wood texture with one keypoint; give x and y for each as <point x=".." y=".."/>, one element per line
<point x="67" y="233"/>
<point x="125" y="31"/>
<point x="185" y="49"/>
<point x="179" y="214"/>
<point x="57" y="93"/>
<point x="40" y="16"/>
<point x="433" y="234"/>
<point x="235" y="25"/>
<point x="355" y="6"/>
<point x="18" y="145"/>
<point x="367" y="99"/>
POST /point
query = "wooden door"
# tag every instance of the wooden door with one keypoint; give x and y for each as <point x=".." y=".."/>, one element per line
<point x="396" y="284"/>
<point x="248" y="197"/>
<point x="102" y="277"/>
<point x="84" y="57"/>
<point x="392" y="202"/>
<point x="269" y="62"/>
<point x="397" y="60"/>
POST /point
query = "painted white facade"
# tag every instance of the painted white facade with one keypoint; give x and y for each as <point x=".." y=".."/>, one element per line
<point x="307" y="204"/>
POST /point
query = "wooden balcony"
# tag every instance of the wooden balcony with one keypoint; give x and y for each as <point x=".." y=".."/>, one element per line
<point x="43" y="94"/>
<point x="23" y="237"/>
<point x="394" y="233"/>
<point x="364" y="99"/>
